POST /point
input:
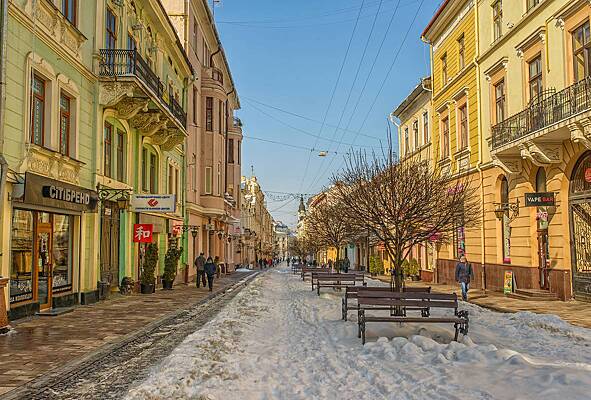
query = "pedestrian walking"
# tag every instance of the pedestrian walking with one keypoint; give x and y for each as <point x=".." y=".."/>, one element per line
<point x="210" y="270"/>
<point x="464" y="273"/>
<point x="218" y="268"/>
<point x="200" y="266"/>
<point x="346" y="264"/>
<point x="288" y="262"/>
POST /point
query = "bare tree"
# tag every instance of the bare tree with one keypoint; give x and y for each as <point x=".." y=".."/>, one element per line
<point x="404" y="203"/>
<point x="302" y="246"/>
<point x="330" y="226"/>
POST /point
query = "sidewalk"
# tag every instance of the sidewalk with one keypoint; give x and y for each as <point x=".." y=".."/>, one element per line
<point x="39" y="344"/>
<point x="576" y="312"/>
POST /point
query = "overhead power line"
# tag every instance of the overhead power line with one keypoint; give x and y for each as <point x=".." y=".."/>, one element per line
<point x="295" y="146"/>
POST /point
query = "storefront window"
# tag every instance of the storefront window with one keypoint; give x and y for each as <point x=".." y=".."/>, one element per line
<point x="62" y="253"/>
<point x="21" y="272"/>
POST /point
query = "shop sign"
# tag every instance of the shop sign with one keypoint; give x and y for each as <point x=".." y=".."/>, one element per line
<point x="159" y="203"/>
<point x="588" y="175"/>
<point x="544" y="199"/>
<point x="48" y="192"/>
<point x="142" y="233"/>
<point x="508" y="282"/>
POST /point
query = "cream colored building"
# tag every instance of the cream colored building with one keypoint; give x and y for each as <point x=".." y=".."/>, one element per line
<point x="256" y="222"/>
<point x="414" y="138"/>
<point x="213" y="153"/>
<point x="536" y="118"/>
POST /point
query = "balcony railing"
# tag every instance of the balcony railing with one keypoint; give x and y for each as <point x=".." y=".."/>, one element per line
<point x="125" y="63"/>
<point x="546" y="110"/>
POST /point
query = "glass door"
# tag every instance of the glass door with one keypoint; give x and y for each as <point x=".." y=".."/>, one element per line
<point x="43" y="262"/>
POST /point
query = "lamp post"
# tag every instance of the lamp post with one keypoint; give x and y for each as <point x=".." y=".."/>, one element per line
<point x="194" y="232"/>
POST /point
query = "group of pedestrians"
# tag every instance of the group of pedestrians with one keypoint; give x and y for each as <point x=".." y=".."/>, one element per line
<point x="206" y="269"/>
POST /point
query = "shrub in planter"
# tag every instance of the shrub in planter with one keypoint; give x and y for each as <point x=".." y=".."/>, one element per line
<point x="171" y="263"/>
<point x="414" y="269"/>
<point x="148" y="277"/>
<point x="376" y="266"/>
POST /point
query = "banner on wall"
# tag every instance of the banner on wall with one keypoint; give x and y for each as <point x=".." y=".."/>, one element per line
<point x="143" y="233"/>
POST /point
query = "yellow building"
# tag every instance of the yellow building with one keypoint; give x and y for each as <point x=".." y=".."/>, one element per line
<point x="536" y="104"/>
<point x="414" y="138"/>
<point x="456" y="143"/>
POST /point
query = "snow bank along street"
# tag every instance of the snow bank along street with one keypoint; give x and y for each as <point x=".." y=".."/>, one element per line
<point x="278" y="340"/>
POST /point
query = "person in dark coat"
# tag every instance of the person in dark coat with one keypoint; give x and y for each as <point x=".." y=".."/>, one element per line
<point x="199" y="265"/>
<point x="464" y="274"/>
<point x="210" y="270"/>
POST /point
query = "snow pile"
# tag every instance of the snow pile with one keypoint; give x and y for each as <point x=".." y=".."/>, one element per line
<point x="278" y="340"/>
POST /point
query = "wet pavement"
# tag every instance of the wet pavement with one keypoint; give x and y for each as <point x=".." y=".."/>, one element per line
<point x="97" y="351"/>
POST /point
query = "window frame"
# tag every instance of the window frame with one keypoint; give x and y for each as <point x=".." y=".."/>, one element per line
<point x="209" y="114"/>
<point x="207" y="187"/>
<point x="406" y="141"/>
<point x="531" y="4"/>
<point x="463" y="131"/>
<point x="497" y="14"/>
<point x="445" y="139"/>
<point x="230" y="151"/>
<point x="144" y="169"/>
<point x="415" y="133"/>
<point x="461" y="52"/>
<point x="500" y="101"/>
<point x="65" y="114"/>
<point x="108" y="149"/>
<point x="120" y="155"/>
<point x="585" y="50"/>
<point x="110" y="31"/>
<point x="536" y="79"/>
<point x="426" y="133"/>
<point x="73" y="19"/>
<point x="153" y="183"/>
<point x="41" y="98"/>
<point x="444" y="75"/>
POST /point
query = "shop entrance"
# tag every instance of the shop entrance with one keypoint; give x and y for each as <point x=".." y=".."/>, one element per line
<point x="544" y="259"/>
<point x="110" y="244"/>
<point x="580" y="218"/>
<point x="43" y="261"/>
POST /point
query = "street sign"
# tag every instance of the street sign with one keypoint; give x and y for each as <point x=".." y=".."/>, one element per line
<point x="142" y="233"/>
<point x="542" y="199"/>
<point x="159" y="203"/>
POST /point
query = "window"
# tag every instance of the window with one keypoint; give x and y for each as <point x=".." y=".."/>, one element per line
<point x="38" y="111"/>
<point x="506" y="228"/>
<point x="208" y="180"/>
<point x="177" y="183"/>
<point x="65" y="124"/>
<point x="195" y="37"/>
<point x="415" y="131"/>
<point x="497" y="19"/>
<point x="144" y="170"/>
<point x="110" y="30"/>
<point x="209" y="114"/>
<point x="153" y="188"/>
<point x="69" y="8"/>
<point x="195" y="103"/>
<point x="194" y="172"/>
<point x="131" y="43"/>
<point x="62" y="253"/>
<point x="21" y="256"/>
<point x="500" y="101"/>
<point x="461" y="52"/>
<point x="219" y="188"/>
<point x="532" y="3"/>
<point x="581" y="51"/>
<point x="406" y="142"/>
<point x="463" y="117"/>
<point x="445" y="137"/>
<point x="120" y="156"/>
<point x="206" y="55"/>
<point x="444" y="69"/>
<point x="231" y="151"/>
<point x="108" y="152"/>
<point x="239" y="152"/>
<point x="171" y="185"/>
<point x="220" y="118"/>
<point x="426" y="135"/>
<point x="535" y="77"/>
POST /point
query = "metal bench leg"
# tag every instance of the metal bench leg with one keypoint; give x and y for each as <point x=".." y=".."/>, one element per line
<point x="318" y="289"/>
<point x="359" y="323"/>
<point x="343" y="310"/>
<point x="457" y="328"/>
<point x="363" y="329"/>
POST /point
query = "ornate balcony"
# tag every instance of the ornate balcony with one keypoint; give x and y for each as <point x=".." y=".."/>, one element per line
<point x="129" y="86"/>
<point x="536" y="133"/>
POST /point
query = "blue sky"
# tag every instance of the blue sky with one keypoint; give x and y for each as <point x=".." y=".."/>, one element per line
<point x="288" y="54"/>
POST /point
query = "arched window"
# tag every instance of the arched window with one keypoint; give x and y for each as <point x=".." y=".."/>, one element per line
<point x="581" y="179"/>
<point x="506" y="228"/>
<point x="541" y="180"/>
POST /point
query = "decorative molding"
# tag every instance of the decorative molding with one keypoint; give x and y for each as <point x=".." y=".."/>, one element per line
<point x="111" y="93"/>
<point x="148" y="123"/>
<point x="581" y="134"/>
<point x="541" y="154"/>
<point x="496" y="67"/>
<point x="53" y="165"/>
<point x="128" y="107"/>
<point x="451" y="27"/>
<point x="511" y="165"/>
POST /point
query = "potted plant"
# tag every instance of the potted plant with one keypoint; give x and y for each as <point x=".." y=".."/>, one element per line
<point x="414" y="269"/>
<point x="376" y="266"/>
<point x="171" y="263"/>
<point x="149" y="269"/>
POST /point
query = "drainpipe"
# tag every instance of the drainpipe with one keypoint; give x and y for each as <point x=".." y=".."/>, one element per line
<point x="3" y="30"/>
<point x="480" y="150"/>
<point x="213" y="54"/>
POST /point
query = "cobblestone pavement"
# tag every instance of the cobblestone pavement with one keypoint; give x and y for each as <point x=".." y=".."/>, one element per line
<point x="108" y="368"/>
<point x="576" y="312"/>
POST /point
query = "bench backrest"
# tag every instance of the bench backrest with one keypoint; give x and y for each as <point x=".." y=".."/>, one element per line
<point x="336" y="277"/>
<point x="306" y="269"/>
<point x="386" y="298"/>
<point x="352" y="292"/>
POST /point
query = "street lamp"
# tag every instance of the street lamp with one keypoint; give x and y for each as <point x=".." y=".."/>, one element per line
<point x="511" y="210"/>
<point x="121" y="196"/>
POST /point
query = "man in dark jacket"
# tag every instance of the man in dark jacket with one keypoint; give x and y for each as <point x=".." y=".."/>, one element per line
<point x="464" y="273"/>
<point x="200" y="266"/>
<point x="210" y="270"/>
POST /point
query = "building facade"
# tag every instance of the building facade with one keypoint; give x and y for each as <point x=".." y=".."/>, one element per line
<point x="213" y="153"/>
<point x="281" y="233"/>
<point x="257" y="240"/>
<point x="415" y="116"/>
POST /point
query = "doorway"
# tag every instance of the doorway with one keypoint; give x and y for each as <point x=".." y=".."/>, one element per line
<point x="544" y="259"/>
<point x="110" y="244"/>
<point x="43" y="261"/>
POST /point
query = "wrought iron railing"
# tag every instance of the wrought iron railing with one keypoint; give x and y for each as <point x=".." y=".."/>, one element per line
<point x="546" y="110"/>
<point x="121" y="63"/>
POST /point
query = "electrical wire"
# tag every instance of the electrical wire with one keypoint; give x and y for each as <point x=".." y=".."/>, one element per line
<point x="299" y="129"/>
<point x="334" y="88"/>
<point x="295" y="146"/>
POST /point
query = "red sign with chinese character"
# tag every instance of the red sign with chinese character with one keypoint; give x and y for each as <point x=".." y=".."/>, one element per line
<point x="588" y="175"/>
<point x="142" y="233"/>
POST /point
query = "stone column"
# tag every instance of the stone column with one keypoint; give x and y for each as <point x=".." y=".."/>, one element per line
<point x="3" y="316"/>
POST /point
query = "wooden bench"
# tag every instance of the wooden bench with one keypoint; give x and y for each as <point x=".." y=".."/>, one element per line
<point x="351" y="292"/>
<point x="296" y="269"/>
<point x="367" y="300"/>
<point x="307" y="271"/>
<point x="336" y="281"/>
<point x="322" y="273"/>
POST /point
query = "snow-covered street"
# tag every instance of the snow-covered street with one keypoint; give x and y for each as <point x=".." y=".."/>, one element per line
<point x="278" y="340"/>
